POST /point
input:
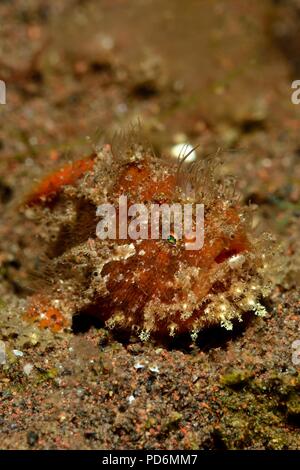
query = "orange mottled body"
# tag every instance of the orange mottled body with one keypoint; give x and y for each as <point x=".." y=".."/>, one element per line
<point x="142" y="280"/>
<point x="45" y="315"/>
<point x="149" y="285"/>
<point x="51" y="185"/>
